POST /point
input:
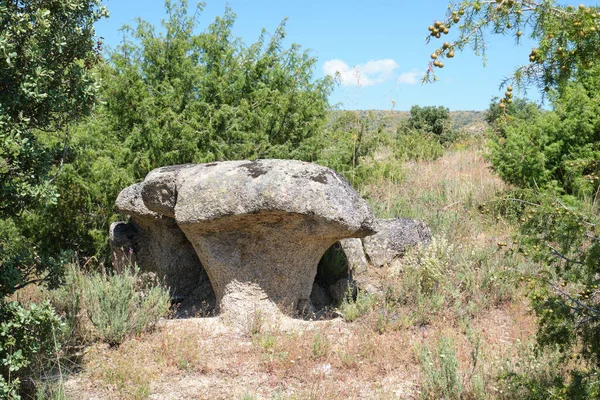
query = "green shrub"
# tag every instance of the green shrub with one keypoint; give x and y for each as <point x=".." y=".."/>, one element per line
<point x="429" y="119"/>
<point x="210" y="97"/>
<point x="519" y="109"/>
<point x="26" y="333"/>
<point x="354" y="309"/>
<point x="557" y="150"/>
<point x="47" y="80"/>
<point x="538" y="374"/>
<point x="118" y="307"/>
<point x="348" y="143"/>
<point x="441" y="377"/>
<point x="418" y="146"/>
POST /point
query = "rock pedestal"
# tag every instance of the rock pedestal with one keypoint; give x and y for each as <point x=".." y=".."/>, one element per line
<point x="258" y="227"/>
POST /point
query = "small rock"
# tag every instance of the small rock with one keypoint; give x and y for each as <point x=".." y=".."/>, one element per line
<point x="319" y="297"/>
<point x="393" y="238"/>
<point x="341" y="290"/>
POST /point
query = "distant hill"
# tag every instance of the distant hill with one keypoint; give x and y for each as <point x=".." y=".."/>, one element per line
<point x="471" y="121"/>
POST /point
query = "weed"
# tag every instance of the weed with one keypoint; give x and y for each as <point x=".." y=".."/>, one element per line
<point x="440" y="371"/>
<point x="265" y="340"/>
<point x="352" y="310"/>
<point x="118" y="308"/>
<point x="256" y="320"/>
<point x="321" y="346"/>
<point x="50" y="391"/>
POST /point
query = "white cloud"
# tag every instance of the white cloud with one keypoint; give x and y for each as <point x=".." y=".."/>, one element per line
<point x="369" y="74"/>
<point x="410" y="78"/>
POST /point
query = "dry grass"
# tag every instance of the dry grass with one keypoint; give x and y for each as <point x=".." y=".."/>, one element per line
<point x="381" y="354"/>
<point x="188" y="359"/>
<point x="445" y="194"/>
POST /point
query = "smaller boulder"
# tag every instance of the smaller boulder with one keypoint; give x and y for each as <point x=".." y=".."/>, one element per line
<point x="319" y="297"/>
<point x="355" y="255"/>
<point x="393" y="238"/>
<point x="341" y="290"/>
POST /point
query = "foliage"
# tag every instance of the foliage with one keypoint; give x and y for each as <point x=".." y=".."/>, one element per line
<point x="173" y="95"/>
<point x="440" y="368"/>
<point x="555" y="153"/>
<point x="91" y="177"/>
<point x="560" y="234"/>
<point x="567" y="37"/>
<point x="429" y="119"/>
<point x="553" y="158"/>
<point x="498" y="118"/>
<point x="176" y="96"/>
<point x="464" y="118"/>
<point x="418" y="146"/>
<point x="439" y="278"/>
<point x="442" y="377"/>
<point x="354" y="309"/>
<point x="25" y="333"/>
<point x="556" y="150"/>
<point x="349" y="139"/>
<point x="120" y="305"/>
<point x="47" y="51"/>
<point x="22" y="262"/>
<point x="543" y="374"/>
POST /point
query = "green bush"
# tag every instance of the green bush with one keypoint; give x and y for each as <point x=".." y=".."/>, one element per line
<point x="353" y="309"/>
<point x="556" y="150"/>
<point x="429" y="119"/>
<point x="120" y="305"/>
<point x="210" y="97"/>
<point x="554" y="159"/>
<point x="418" y="146"/>
<point x="519" y="109"/>
<point x="23" y="262"/>
<point x="26" y="333"/>
<point x="441" y="378"/>
<point x="348" y="143"/>
<point x="542" y="374"/>
<point x="49" y="51"/>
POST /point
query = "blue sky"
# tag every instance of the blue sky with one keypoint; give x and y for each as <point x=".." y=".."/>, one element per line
<point x="382" y="40"/>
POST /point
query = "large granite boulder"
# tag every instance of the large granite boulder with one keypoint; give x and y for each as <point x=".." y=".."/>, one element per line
<point x="258" y="227"/>
<point x="393" y="238"/>
<point x="156" y="244"/>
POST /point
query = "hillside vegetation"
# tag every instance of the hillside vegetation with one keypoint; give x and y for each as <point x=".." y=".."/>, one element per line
<point x="472" y="121"/>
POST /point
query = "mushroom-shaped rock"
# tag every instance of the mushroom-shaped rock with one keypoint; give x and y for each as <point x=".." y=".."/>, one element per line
<point x="260" y="227"/>
<point x="156" y="244"/>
